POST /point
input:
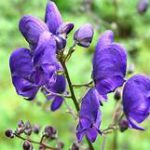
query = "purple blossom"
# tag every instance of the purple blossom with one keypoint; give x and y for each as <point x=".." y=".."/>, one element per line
<point x="136" y="100"/>
<point x="142" y="6"/>
<point x="35" y="68"/>
<point x="84" y="35"/>
<point x="32" y="27"/>
<point x="109" y="64"/>
<point x="22" y="76"/>
<point x="89" y="116"/>
<point x="30" y="70"/>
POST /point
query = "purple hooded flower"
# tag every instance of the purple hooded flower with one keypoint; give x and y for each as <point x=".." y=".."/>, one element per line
<point x="21" y="67"/>
<point x="84" y="35"/>
<point x="35" y="68"/>
<point x="136" y="100"/>
<point x="32" y="27"/>
<point x="142" y="6"/>
<point x="30" y="70"/>
<point x="89" y="116"/>
<point x="109" y="64"/>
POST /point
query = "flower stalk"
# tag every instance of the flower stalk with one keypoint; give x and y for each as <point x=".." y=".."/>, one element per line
<point x="74" y="97"/>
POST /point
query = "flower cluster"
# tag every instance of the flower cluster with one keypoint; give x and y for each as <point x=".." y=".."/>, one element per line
<point x="25" y="130"/>
<point x="39" y="67"/>
<point x="109" y="70"/>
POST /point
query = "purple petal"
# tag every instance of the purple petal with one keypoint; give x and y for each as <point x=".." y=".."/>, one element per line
<point x="105" y="39"/>
<point x="53" y="17"/>
<point x="59" y="86"/>
<point x="44" y="74"/>
<point x="89" y="116"/>
<point x="45" y="58"/>
<point x="84" y="35"/>
<point x="21" y="63"/>
<point x="109" y="68"/>
<point x="65" y="28"/>
<point x="31" y="28"/>
<point x="136" y="106"/>
<point x="57" y="102"/>
<point x="80" y="135"/>
<point x="24" y="87"/>
<point x="133" y="125"/>
<point x="92" y="134"/>
<point x="45" y="53"/>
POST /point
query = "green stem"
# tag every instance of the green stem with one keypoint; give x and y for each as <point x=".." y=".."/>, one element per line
<point x="71" y="50"/>
<point x="90" y="84"/>
<point x="115" y="143"/>
<point x="74" y="97"/>
<point x="35" y="142"/>
<point x="58" y="94"/>
<point x="103" y="143"/>
<point x="71" y="87"/>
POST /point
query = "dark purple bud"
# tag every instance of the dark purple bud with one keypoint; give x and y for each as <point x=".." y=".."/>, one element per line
<point x="123" y="125"/>
<point x="28" y="128"/>
<point x="21" y="127"/>
<point x="75" y="146"/>
<point x="42" y="147"/>
<point x="19" y="130"/>
<point x="27" y="145"/>
<point x="50" y="132"/>
<point x="117" y="95"/>
<point x="60" y="145"/>
<point x="142" y="6"/>
<point x="20" y="123"/>
<point x="9" y="133"/>
<point x="60" y="43"/>
<point x="36" y="129"/>
<point x="65" y="28"/>
<point x="84" y="35"/>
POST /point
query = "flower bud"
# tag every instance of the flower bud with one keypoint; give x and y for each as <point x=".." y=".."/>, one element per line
<point x="41" y="147"/>
<point x="117" y="95"/>
<point x="27" y="145"/>
<point x="50" y="132"/>
<point x="123" y="125"/>
<point x="65" y="29"/>
<point x="21" y="127"/>
<point x="75" y="146"/>
<point x="9" y="133"/>
<point x="36" y="129"/>
<point x="142" y="6"/>
<point x="28" y="128"/>
<point x="83" y="36"/>
<point x="20" y="123"/>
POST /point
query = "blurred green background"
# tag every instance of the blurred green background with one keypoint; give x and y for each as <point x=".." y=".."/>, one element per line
<point x="131" y="29"/>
